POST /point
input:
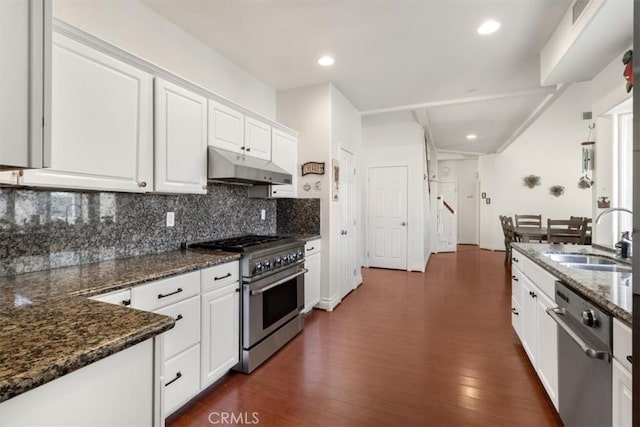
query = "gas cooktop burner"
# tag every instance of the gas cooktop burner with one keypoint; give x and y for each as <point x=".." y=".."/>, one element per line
<point x="239" y="244"/>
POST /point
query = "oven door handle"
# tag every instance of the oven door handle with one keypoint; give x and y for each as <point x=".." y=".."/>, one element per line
<point x="279" y="282"/>
<point x="556" y="313"/>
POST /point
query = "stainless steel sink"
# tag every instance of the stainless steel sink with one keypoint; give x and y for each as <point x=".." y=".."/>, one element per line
<point x="581" y="259"/>
<point x="589" y="262"/>
<point x="614" y="268"/>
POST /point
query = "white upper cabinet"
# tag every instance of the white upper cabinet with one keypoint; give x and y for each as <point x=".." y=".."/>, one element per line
<point x="102" y="125"/>
<point x="180" y="139"/>
<point x="25" y="43"/>
<point x="226" y="127"/>
<point x="284" y="153"/>
<point x="257" y="138"/>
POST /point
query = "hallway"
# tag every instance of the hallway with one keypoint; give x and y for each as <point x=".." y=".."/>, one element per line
<point x="433" y="349"/>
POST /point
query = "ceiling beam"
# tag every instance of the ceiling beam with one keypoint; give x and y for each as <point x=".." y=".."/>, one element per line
<point x="538" y="91"/>
<point x="541" y="108"/>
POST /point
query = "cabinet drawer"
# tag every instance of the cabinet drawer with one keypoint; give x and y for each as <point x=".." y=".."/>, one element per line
<point x="312" y="247"/>
<point x="181" y="379"/>
<point x="219" y="276"/>
<point x="516" y="317"/>
<point x="186" y="332"/>
<point x="121" y="297"/>
<point x="516" y="287"/>
<point x="165" y="292"/>
<point x="622" y="342"/>
<point x="538" y="275"/>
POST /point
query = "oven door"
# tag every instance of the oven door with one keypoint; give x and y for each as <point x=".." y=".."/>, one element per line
<point x="271" y="302"/>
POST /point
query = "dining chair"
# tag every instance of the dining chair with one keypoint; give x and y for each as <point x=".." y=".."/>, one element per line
<point x="567" y="230"/>
<point x="529" y="221"/>
<point x="507" y="229"/>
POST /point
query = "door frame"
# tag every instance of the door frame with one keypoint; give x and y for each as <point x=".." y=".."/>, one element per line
<point x="366" y="203"/>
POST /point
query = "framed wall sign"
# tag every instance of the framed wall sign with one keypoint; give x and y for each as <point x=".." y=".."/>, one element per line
<point x="316" y="168"/>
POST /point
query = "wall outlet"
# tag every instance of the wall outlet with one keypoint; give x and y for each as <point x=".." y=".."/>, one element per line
<point x="171" y="219"/>
<point x="263" y="214"/>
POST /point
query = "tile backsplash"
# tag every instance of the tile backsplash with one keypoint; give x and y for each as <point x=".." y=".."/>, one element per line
<point x="42" y="229"/>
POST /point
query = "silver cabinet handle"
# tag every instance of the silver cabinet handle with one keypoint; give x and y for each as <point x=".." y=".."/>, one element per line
<point x="279" y="282"/>
<point x="556" y="313"/>
<point x="142" y="184"/>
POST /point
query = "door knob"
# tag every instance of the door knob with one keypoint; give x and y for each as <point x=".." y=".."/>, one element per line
<point x="403" y="223"/>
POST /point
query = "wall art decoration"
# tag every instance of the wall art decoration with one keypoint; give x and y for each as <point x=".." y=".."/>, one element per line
<point x="627" y="60"/>
<point x="556" y="190"/>
<point x="532" y="181"/>
<point x="316" y="168"/>
<point x="604" y="202"/>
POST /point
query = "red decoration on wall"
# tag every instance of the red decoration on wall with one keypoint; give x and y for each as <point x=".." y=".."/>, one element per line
<point x="627" y="60"/>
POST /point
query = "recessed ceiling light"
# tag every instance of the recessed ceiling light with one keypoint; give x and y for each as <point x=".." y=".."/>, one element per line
<point x="326" y="61"/>
<point x="472" y="136"/>
<point x="488" y="27"/>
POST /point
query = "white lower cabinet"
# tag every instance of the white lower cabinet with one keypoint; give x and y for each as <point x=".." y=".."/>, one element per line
<point x="622" y="398"/>
<point x="186" y="332"/>
<point x="537" y="331"/>
<point x="312" y="262"/>
<point x="220" y="340"/>
<point x="181" y="379"/>
<point x="114" y="391"/>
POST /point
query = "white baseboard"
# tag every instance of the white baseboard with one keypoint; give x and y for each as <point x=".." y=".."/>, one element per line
<point x="416" y="267"/>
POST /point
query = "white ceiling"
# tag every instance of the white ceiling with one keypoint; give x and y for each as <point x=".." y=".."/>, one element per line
<point x="391" y="54"/>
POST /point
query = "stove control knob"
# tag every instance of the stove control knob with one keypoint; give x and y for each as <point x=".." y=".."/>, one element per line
<point x="267" y="265"/>
<point x="286" y="260"/>
<point x="278" y="262"/>
<point x="257" y="269"/>
<point x="589" y="318"/>
<point x="300" y="254"/>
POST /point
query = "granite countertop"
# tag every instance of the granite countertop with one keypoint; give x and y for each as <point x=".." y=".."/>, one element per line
<point x="613" y="292"/>
<point x="305" y="237"/>
<point x="48" y="326"/>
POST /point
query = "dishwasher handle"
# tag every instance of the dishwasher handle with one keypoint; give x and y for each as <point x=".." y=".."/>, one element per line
<point x="556" y="313"/>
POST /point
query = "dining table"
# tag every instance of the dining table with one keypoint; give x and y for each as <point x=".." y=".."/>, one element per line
<point x="526" y="234"/>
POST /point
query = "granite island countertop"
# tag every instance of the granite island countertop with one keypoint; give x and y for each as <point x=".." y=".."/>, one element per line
<point x="613" y="292"/>
<point x="49" y="328"/>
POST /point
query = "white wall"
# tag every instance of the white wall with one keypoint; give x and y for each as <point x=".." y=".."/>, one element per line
<point x="549" y="148"/>
<point x="387" y="142"/>
<point x="465" y="174"/>
<point x="134" y="27"/>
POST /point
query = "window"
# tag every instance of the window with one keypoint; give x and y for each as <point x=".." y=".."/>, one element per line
<point x="623" y="170"/>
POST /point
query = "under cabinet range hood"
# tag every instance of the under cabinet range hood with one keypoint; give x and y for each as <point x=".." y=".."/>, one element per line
<point x="229" y="167"/>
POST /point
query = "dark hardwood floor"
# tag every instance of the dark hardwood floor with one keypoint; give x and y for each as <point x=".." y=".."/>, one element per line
<point x="433" y="349"/>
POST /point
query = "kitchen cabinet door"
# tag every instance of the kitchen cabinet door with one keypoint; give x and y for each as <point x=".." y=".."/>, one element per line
<point x="257" y="138"/>
<point x="25" y="91"/>
<point x="516" y="317"/>
<point x="102" y="124"/>
<point x="529" y="320"/>
<point x="180" y="139"/>
<point x="284" y="153"/>
<point x="312" y="281"/>
<point x="220" y="339"/>
<point x="622" y="395"/>
<point x="226" y="127"/>
<point x="546" y="346"/>
<point x="114" y="391"/>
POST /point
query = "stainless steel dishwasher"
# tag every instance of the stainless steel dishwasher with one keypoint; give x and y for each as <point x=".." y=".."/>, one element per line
<point x="584" y="360"/>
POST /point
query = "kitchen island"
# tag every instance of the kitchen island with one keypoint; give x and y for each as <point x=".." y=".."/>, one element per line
<point x="610" y="291"/>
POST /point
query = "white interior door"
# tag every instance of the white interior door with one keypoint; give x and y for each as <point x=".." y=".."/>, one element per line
<point x="348" y="268"/>
<point x="387" y="228"/>
<point x="447" y="225"/>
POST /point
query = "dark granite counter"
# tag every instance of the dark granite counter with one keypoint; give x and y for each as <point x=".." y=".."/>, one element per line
<point x="48" y="326"/>
<point x="305" y="237"/>
<point x="611" y="291"/>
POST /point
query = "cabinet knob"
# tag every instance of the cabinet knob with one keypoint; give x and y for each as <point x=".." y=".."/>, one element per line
<point x="204" y="187"/>
<point x="248" y="149"/>
<point x="142" y="184"/>
<point x="243" y="148"/>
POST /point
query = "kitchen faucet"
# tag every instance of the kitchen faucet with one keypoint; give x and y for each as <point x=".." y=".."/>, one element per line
<point x="625" y="240"/>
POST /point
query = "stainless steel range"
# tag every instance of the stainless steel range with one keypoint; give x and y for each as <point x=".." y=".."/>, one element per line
<point x="272" y="273"/>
